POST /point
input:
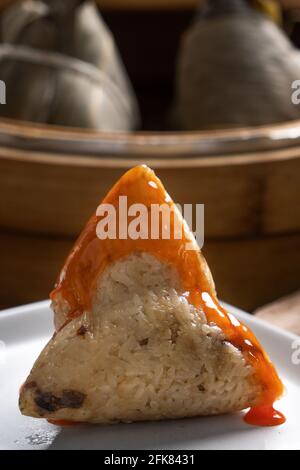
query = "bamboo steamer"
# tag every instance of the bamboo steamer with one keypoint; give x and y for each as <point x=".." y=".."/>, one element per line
<point x="249" y="180"/>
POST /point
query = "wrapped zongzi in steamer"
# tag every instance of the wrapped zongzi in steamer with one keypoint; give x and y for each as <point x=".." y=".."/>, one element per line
<point x="236" y="67"/>
<point x="61" y="66"/>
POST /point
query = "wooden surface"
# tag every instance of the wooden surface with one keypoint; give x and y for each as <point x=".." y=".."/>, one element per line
<point x="284" y="313"/>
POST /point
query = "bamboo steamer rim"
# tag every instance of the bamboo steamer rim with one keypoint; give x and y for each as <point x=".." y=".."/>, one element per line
<point x="56" y="145"/>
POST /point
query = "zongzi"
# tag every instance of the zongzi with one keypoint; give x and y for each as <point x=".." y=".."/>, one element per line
<point x="235" y="69"/>
<point x="61" y="66"/>
<point x="140" y="334"/>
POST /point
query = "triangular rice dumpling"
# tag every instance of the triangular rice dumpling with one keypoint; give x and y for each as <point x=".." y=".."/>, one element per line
<point x="140" y="334"/>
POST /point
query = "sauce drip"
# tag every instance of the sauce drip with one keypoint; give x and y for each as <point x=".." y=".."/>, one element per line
<point x="264" y="416"/>
<point x="90" y="256"/>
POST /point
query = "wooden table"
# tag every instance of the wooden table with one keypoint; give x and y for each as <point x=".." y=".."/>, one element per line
<point x="284" y="313"/>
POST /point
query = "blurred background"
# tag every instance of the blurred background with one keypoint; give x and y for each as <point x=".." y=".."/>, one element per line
<point x="200" y="91"/>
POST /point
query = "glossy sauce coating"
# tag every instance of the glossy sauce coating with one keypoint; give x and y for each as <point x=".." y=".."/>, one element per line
<point x="90" y="256"/>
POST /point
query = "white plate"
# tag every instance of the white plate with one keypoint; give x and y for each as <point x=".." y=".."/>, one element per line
<point x="25" y="330"/>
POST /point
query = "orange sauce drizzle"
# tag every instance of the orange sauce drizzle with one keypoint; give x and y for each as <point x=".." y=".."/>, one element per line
<point x="90" y="256"/>
<point x="264" y="416"/>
